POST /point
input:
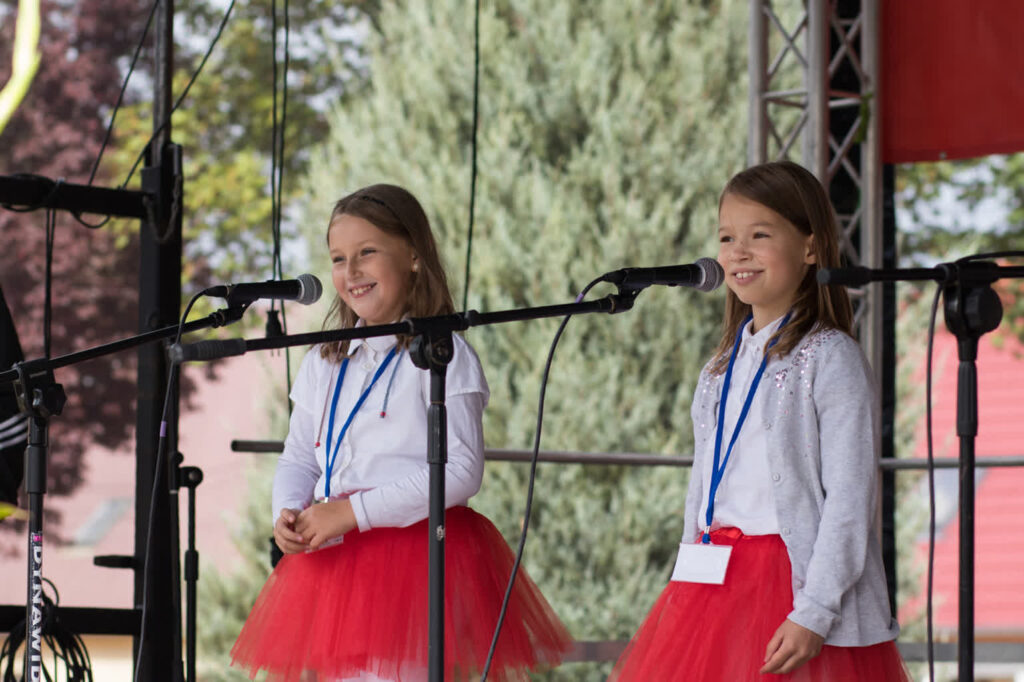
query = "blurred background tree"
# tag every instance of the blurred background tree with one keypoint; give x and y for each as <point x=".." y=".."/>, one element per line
<point x="56" y="132"/>
<point x="954" y="208"/>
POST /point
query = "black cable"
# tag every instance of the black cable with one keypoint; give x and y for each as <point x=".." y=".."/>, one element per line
<point x="273" y="140"/>
<point x="276" y="325"/>
<point x="280" y="136"/>
<point x="51" y="231"/>
<point x="161" y="449"/>
<point x="124" y="87"/>
<point x="993" y="254"/>
<point x="106" y="138"/>
<point x="272" y="313"/>
<point x="472" y="176"/>
<point x="931" y="483"/>
<point x="181" y="98"/>
<point x="530" y="484"/>
<point x="67" y="647"/>
<point x="280" y="185"/>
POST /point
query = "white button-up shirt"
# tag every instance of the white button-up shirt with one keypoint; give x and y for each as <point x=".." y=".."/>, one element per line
<point x="745" y="499"/>
<point x="382" y="462"/>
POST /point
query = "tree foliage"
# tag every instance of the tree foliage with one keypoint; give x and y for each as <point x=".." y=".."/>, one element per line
<point x="57" y="133"/>
<point x="957" y="208"/>
<point x="225" y="124"/>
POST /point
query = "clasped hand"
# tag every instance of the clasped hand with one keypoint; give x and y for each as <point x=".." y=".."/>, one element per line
<point x="302" y="530"/>
<point x="790" y="647"/>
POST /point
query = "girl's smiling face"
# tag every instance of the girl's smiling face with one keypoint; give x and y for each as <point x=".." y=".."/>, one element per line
<point x="372" y="270"/>
<point x="765" y="257"/>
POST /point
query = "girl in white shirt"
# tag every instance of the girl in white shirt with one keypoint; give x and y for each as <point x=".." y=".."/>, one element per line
<point x="779" y="574"/>
<point x="348" y="601"/>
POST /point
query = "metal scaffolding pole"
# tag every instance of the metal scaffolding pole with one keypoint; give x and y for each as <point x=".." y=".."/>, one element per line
<point x="798" y="111"/>
<point x="157" y="579"/>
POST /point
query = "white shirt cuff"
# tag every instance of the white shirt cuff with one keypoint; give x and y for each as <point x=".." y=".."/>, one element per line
<point x="359" y="509"/>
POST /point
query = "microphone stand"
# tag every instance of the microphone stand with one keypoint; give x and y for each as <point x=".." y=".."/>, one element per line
<point x="972" y="308"/>
<point x="41" y="397"/>
<point x="431" y="349"/>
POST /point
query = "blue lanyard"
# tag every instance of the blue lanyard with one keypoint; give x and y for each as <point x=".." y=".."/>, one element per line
<point x="332" y="457"/>
<point x="717" y="471"/>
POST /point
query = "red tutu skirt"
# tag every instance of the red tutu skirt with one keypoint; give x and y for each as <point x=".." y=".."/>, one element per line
<point x="718" y="633"/>
<point x="362" y="607"/>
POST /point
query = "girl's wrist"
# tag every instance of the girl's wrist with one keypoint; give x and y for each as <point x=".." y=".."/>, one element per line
<point x="346" y="515"/>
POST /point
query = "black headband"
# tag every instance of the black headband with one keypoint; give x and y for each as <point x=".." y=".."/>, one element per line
<point x="375" y="200"/>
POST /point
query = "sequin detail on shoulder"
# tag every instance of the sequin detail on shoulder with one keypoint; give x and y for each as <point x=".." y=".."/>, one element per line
<point x="798" y="363"/>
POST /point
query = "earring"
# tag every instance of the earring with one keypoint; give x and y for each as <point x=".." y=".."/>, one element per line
<point x="415" y="266"/>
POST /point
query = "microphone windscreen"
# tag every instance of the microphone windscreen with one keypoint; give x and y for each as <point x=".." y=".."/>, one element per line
<point x="713" y="274"/>
<point x="310" y="289"/>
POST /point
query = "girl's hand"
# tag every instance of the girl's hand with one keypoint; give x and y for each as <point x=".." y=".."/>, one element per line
<point x="790" y="647"/>
<point x="289" y="541"/>
<point x="319" y="523"/>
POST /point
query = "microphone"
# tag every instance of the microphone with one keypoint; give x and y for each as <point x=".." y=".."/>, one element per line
<point x="304" y="289"/>
<point x="704" y="275"/>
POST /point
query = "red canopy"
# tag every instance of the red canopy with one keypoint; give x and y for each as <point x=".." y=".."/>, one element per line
<point x="952" y="79"/>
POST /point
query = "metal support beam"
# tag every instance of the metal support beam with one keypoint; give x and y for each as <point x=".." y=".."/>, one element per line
<point x="36" y="192"/>
<point x="816" y="155"/>
<point x="80" y="620"/>
<point x="157" y="584"/>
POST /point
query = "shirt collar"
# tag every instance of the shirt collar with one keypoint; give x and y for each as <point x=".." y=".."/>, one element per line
<point x="376" y="344"/>
<point x="756" y="342"/>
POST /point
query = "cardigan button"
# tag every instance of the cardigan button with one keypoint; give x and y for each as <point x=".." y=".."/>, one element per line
<point x="786" y="531"/>
<point x="776" y="477"/>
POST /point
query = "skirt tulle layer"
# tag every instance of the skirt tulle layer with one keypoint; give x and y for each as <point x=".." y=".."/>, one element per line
<point x="362" y="607"/>
<point x="718" y="633"/>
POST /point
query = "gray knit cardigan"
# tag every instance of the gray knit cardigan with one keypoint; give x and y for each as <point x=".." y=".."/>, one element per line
<point x="821" y="421"/>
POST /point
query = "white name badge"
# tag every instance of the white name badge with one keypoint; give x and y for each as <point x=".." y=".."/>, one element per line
<point x="700" y="563"/>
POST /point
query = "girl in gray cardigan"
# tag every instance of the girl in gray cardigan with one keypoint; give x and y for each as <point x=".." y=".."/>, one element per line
<point x="779" y="573"/>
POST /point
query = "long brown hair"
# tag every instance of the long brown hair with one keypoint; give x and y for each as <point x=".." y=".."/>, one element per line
<point x="795" y="194"/>
<point x="396" y="211"/>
